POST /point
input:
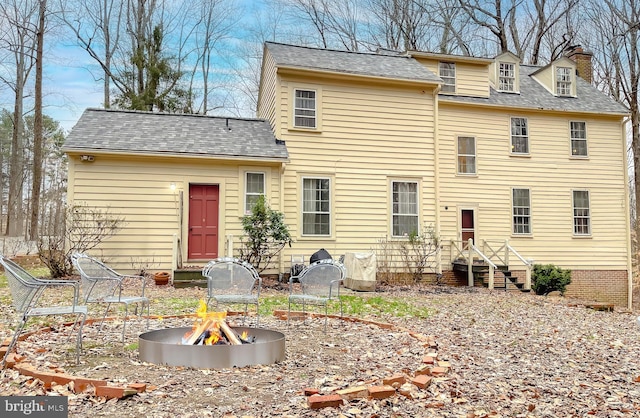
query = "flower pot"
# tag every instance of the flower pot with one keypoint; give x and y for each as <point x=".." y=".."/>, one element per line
<point x="161" y="278"/>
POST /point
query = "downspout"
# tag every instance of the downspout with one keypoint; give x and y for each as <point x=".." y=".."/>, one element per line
<point x="281" y="263"/>
<point x="436" y="174"/>
<point x="623" y="131"/>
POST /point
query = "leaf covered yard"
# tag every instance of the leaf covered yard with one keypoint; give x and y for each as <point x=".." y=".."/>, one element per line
<point x="505" y="355"/>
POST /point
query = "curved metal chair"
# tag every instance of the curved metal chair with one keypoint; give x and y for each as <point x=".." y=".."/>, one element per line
<point x="101" y="284"/>
<point x="26" y="292"/>
<point x="320" y="283"/>
<point x="231" y="280"/>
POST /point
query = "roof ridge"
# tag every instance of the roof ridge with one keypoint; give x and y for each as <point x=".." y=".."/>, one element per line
<point x="314" y="48"/>
<point x="150" y="113"/>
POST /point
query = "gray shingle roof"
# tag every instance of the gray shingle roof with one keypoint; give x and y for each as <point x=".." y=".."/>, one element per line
<point x="173" y="134"/>
<point x="367" y="64"/>
<point x="534" y="96"/>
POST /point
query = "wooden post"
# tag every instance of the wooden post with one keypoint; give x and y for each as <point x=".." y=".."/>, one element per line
<point x="506" y="252"/>
<point x="527" y="280"/>
<point x="491" y="276"/>
<point x="470" y="263"/>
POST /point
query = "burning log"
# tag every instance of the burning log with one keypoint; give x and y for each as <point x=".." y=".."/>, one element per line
<point x="212" y="329"/>
<point x="198" y="332"/>
<point x="228" y="332"/>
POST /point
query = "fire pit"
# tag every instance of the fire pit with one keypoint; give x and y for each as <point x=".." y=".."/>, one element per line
<point x="211" y="343"/>
<point x="165" y="346"/>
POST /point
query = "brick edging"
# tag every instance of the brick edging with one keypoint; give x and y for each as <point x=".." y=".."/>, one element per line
<point x="403" y="384"/>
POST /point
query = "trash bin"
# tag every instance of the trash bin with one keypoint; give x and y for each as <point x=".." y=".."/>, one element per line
<point x="361" y="271"/>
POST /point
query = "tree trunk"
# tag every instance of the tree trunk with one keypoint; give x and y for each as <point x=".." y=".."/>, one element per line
<point x="37" y="129"/>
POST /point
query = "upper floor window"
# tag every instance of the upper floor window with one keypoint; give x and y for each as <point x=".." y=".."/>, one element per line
<point x="405" y="208"/>
<point x="316" y="206"/>
<point x="448" y="75"/>
<point x="466" y="155"/>
<point x="507" y="77"/>
<point x="521" y="208"/>
<point x="254" y="188"/>
<point x="519" y="136"/>
<point x="305" y="109"/>
<point x="581" y="213"/>
<point x="579" y="139"/>
<point x="563" y="81"/>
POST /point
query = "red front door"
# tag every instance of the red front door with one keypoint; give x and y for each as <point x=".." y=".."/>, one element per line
<point x="203" y="221"/>
<point x="468" y="226"/>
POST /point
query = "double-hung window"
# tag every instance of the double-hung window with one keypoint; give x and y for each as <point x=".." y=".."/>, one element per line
<point x="507" y="77"/>
<point x="578" y="139"/>
<point x="466" y="155"/>
<point x="253" y="189"/>
<point x="521" y="208"/>
<point x="563" y="81"/>
<point x="519" y="136"/>
<point x="316" y="206"/>
<point x="404" y="208"/>
<point x="581" y="213"/>
<point x="448" y="75"/>
<point x="305" y="109"/>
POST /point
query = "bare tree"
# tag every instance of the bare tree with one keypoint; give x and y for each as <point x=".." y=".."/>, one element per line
<point x="18" y="38"/>
<point x="615" y="38"/>
<point x="97" y="26"/>
<point x="401" y="24"/>
<point x="37" y="126"/>
<point x="492" y="16"/>
<point x="216" y="20"/>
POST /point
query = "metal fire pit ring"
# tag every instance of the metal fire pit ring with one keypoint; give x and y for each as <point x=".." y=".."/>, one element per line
<point x="164" y="346"/>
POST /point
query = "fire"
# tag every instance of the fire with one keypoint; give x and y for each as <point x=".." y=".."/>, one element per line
<point x="211" y="328"/>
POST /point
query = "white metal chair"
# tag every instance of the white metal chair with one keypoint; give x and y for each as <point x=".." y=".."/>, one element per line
<point x="231" y="280"/>
<point x="26" y="292"/>
<point x="320" y="282"/>
<point x="101" y="284"/>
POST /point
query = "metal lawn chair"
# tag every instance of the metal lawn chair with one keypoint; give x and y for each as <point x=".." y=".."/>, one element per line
<point x="231" y="280"/>
<point x="101" y="284"/>
<point x="320" y="283"/>
<point x="26" y="292"/>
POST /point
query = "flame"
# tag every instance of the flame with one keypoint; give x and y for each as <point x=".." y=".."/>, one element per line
<point x="209" y="320"/>
<point x="244" y="335"/>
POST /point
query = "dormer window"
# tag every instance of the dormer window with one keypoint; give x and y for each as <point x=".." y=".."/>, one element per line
<point x="563" y="81"/>
<point x="507" y="77"/>
<point x="447" y="72"/>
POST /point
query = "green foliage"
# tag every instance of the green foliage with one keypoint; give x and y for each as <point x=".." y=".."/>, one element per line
<point x="266" y="235"/>
<point x="153" y="82"/>
<point x="353" y="305"/>
<point x="549" y="278"/>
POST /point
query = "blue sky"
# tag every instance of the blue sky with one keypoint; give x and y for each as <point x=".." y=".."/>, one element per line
<point x="72" y="81"/>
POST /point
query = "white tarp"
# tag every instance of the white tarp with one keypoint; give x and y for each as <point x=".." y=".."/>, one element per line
<point x="361" y="271"/>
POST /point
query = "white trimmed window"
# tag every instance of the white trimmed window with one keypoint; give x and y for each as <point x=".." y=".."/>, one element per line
<point x="316" y="206"/>
<point x="466" y="155"/>
<point x="448" y="75"/>
<point x="579" y="139"/>
<point x="254" y="187"/>
<point x="521" y="209"/>
<point x="519" y="136"/>
<point x="563" y="81"/>
<point x="581" y="213"/>
<point x="507" y="77"/>
<point x="305" y="109"/>
<point x="405" y="208"/>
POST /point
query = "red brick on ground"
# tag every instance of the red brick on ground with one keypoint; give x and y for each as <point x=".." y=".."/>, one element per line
<point x="381" y="392"/>
<point x="324" y="401"/>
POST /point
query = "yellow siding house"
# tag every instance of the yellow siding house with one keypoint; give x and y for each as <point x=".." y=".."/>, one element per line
<point x="499" y="157"/>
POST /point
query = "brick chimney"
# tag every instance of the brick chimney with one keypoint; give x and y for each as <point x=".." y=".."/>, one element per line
<point x="583" y="61"/>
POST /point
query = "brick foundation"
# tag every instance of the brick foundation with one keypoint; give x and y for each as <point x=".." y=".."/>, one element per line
<point x="599" y="286"/>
